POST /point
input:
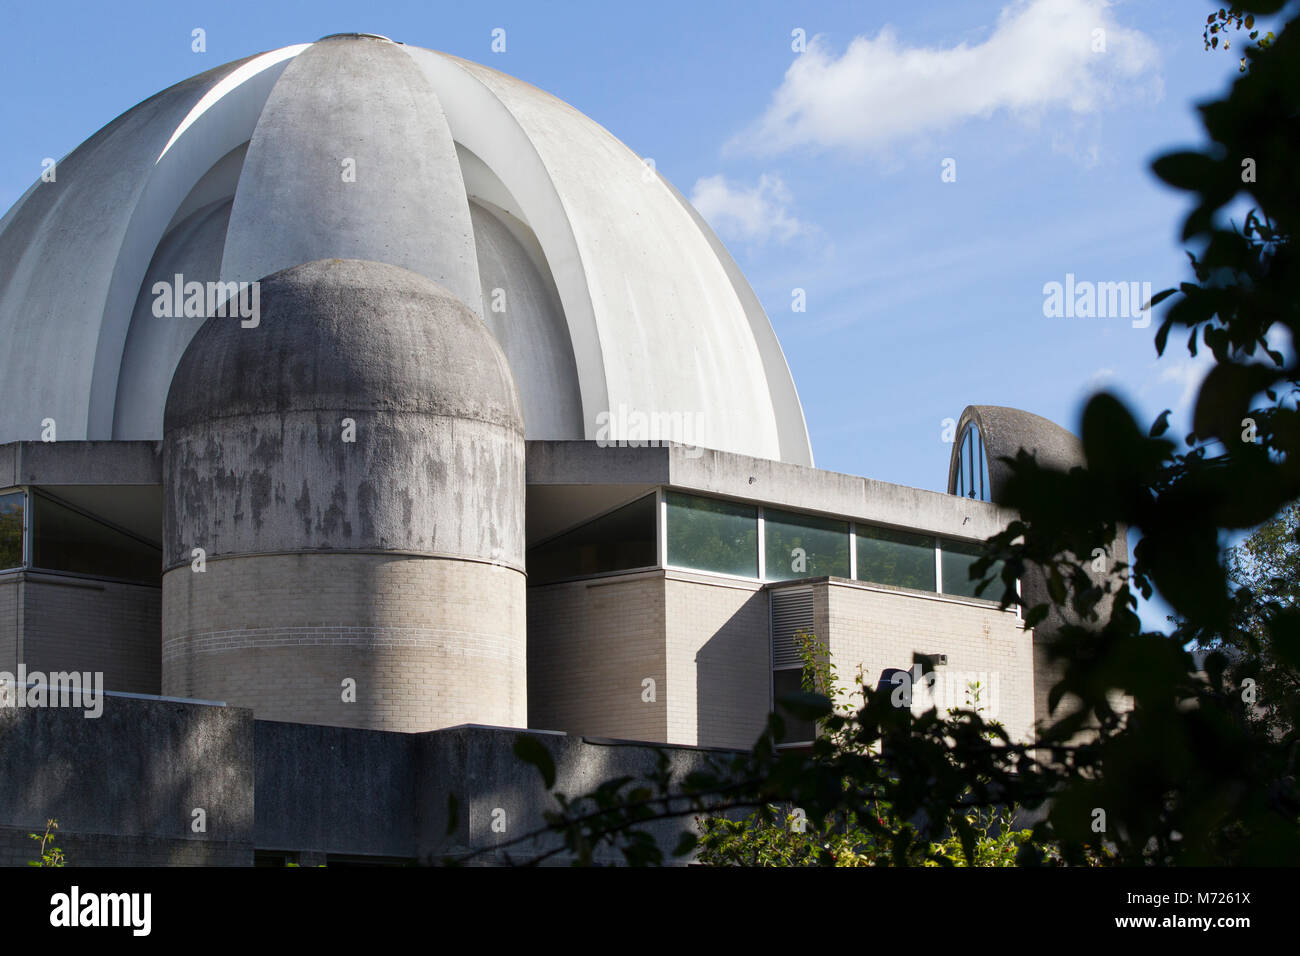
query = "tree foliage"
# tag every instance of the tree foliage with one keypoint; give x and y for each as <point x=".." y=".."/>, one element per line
<point x="1187" y="773"/>
<point x="1234" y="18"/>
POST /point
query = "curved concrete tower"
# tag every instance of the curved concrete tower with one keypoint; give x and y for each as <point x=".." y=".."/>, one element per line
<point x="343" y="508"/>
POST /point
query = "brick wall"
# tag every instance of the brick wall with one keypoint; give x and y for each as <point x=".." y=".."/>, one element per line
<point x="83" y="624"/>
<point x="702" y="640"/>
<point x="429" y="642"/>
<point x="10" y="602"/>
<point x="880" y="628"/>
<point x="591" y="644"/>
<point x="719" y="661"/>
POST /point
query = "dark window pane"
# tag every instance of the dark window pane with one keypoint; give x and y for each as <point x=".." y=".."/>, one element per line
<point x="972" y="466"/>
<point x="958" y="559"/>
<point x="784" y="683"/>
<point x="802" y="546"/>
<point x="618" y="541"/>
<point x="66" y="540"/>
<point x="712" y="535"/>
<point x="897" y="558"/>
<point x="11" y="530"/>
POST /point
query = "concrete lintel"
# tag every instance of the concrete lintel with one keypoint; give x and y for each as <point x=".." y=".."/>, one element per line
<point x="762" y="480"/>
<point x="81" y="463"/>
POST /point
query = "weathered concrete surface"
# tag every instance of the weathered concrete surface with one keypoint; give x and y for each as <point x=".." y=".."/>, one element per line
<point x="1008" y="430"/>
<point x="124" y="787"/>
<point x="353" y="469"/>
<point x="81" y="463"/>
<point x="522" y="308"/>
<point x="255" y="451"/>
<point x="402" y="199"/>
<point x="764" y="481"/>
<point x="131" y="778"/>
<point x="154" y="344"/>
<point x="335" y="789"/>
<point x="478" y="766"/>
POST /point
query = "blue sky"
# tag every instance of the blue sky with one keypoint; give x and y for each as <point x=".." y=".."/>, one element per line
<point x="821" y="170"/>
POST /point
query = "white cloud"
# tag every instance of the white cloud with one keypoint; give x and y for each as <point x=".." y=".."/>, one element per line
<point x="1039" y="56"/>
<point x="752" y="214"/>
<point x="1103" y="378"/>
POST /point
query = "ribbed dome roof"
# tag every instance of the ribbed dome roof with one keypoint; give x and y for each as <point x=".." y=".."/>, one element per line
<point x="604" y="288"/>
<point x="346" y="336"/>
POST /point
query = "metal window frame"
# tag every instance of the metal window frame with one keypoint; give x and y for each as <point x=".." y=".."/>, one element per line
<point x="938" y="565"/>
<point x="663" y="560"/>
<point x="604" y="513"/>
<point x="25" y="540"/>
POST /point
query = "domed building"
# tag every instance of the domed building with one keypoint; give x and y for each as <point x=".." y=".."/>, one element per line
<point x="358" y="396"/>
<point x="600" y="282"/>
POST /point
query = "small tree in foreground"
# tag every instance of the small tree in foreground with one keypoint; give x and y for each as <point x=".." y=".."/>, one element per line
<point x="783" y="836"/>
<point x="50" y="855"/>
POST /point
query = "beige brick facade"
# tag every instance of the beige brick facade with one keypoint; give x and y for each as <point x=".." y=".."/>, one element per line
<point x="429" y="642"/>
<point x="10" y="620"/>
<point x="55" y="622"/>
<point x="706" y="642"/>
<point x="591" y="645"/>
<point x="719" y="661"/>
<point x="879" y="628"/>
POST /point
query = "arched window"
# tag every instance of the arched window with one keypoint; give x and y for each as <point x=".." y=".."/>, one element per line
<point x="972" y="466"/>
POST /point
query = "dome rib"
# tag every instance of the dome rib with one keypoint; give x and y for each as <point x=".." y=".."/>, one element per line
<point x="653" y="318"/>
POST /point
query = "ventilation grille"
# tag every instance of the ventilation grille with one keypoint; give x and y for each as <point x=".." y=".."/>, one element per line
<point x="792" y="611"/>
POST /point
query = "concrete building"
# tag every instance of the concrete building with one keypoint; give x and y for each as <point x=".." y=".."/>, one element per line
<point x="372" y="393"/>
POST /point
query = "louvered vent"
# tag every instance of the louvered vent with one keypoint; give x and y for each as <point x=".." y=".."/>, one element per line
<point x="792" y="611"/>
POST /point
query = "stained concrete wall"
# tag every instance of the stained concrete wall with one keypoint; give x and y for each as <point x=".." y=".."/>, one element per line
<point x="336" y="790"/>
<point x="491" y="784"/>
<point x="124" y="786"/>
<point x="80" y="463"/>
<point x="763" y="481"/>
<point x="352" y="468"/>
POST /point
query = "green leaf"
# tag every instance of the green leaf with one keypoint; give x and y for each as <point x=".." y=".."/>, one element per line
<point x="1161" y="424"/>
<point x="531" y="751"/>
<point x="1187" y="170"/>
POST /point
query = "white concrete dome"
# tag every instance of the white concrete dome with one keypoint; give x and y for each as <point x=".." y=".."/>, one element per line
<point x="610" y="296"/>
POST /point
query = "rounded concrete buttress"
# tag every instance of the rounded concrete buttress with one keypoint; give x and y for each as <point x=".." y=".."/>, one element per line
<point x="1005" y="432"/>
<point x="348" y="473"/>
